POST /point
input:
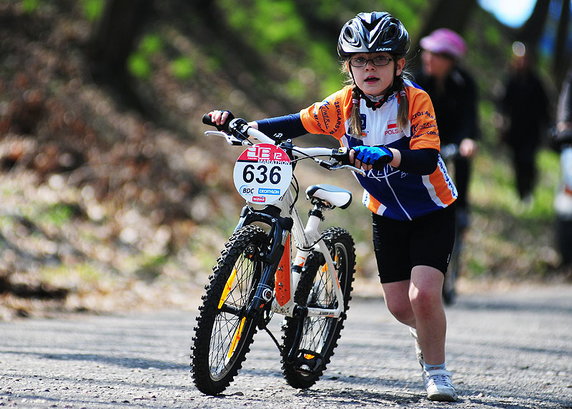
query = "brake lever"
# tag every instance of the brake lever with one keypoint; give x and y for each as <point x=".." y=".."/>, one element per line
<point x="341" y="155"/>
<point x="230" y="139"/>
<point x="238" y="127"/>
<point x="336" y="166"/>
<point x="350" y="167"/>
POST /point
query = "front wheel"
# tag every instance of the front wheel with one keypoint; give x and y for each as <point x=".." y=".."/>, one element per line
<point x="224" y="332"/>
<point x="319" y="335"/>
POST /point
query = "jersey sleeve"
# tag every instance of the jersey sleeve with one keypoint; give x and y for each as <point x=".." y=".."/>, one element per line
<point x="328" y="117"/>
<point x="424" y="131"/>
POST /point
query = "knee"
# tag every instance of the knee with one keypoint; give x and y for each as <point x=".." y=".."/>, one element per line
<point x="401" y="310"/>
<point x="425" y="300"/>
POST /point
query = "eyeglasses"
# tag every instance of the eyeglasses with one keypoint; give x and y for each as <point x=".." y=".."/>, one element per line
<point x="379" y="61"/>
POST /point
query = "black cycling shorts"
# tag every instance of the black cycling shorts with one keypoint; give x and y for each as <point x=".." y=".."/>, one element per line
<point x="400" y="245"/>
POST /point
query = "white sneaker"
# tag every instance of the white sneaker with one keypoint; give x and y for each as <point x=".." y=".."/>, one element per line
<point x="439" y="385"/>
<point x="418" y="351"/>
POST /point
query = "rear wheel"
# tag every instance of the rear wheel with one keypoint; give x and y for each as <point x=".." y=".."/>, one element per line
<point x="224" y="332"/>
<point x="303" y="368"/>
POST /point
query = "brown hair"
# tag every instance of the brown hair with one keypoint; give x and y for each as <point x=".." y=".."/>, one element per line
<point x="397" y="85"/>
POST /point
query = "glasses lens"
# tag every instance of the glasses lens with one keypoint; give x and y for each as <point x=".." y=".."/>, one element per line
<point x="381" y="60"/>
<point x="358" y="61"/>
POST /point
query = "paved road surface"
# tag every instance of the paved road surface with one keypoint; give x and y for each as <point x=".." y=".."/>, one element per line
<point x="507" y="350"/>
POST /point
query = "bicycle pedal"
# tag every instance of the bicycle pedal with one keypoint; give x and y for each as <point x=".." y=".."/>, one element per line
<point x="308" y="362"/>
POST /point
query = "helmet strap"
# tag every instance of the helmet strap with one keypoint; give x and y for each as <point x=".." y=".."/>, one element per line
<point x="372" y="104"/>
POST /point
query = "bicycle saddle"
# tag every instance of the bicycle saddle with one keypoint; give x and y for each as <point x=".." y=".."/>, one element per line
<point x="332" y="195"/>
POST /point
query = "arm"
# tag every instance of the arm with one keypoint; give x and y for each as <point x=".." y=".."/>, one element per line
<point x="471" y="133"/>
<point x="564" y="113"/>
<point x="469" y="127"/>
<point x="419" y="161"/>
<point x="289" y="125"/>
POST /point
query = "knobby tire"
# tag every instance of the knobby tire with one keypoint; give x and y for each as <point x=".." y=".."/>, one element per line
<point x="315" y="289"/>
<point x="224" y="332"/>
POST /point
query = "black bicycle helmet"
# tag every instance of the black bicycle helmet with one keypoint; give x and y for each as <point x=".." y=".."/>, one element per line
<point x="373" y="32"/>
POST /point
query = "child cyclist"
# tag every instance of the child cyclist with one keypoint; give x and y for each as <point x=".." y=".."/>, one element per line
<point x="390" y="126"/>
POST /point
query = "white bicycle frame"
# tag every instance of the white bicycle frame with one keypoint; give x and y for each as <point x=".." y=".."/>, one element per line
<point x="306" y="238"/>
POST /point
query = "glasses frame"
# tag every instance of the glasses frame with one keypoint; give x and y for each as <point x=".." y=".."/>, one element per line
<point x="368" y="60"/>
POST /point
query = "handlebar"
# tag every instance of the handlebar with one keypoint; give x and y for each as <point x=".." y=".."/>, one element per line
<point x="238" y="132"/>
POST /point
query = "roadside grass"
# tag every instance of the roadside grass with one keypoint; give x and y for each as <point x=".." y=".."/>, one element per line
<point x="507" y="237"/>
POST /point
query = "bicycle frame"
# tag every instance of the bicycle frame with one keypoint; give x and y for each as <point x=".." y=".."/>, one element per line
<point x="286" y="225"/>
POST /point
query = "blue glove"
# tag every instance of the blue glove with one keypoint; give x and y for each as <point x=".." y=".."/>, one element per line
<point x="373" y="155"/>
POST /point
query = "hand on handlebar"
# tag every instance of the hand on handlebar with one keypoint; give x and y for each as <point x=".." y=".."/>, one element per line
<point x="218" y="118"/>
<point x="370" y="157"/>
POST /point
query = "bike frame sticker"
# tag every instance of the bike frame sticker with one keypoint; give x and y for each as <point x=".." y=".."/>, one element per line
<point x="262" y="173"/>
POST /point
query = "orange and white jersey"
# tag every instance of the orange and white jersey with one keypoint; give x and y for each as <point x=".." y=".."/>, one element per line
<point x="390" y="192"/>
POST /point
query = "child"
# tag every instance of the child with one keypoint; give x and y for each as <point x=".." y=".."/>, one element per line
<point x="391" y="130"/>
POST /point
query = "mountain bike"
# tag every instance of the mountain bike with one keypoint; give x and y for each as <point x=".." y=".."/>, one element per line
<point x="274" y="264"/>
<point x="448" y="153"/>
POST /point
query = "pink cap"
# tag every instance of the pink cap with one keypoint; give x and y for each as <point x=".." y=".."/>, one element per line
<point x="444" y="41"/>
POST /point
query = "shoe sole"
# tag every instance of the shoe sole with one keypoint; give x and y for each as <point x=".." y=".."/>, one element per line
<point x="441" y="397"/>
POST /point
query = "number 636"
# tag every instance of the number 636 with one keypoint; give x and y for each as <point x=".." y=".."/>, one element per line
<point x="261" y="174"/>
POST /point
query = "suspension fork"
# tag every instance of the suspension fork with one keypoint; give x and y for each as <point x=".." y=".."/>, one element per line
<point x="279" y="232"/>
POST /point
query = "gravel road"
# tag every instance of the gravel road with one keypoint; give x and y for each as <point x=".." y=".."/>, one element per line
<point x="507" y="350"/>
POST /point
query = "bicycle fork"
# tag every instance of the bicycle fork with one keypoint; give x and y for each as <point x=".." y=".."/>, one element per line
<point x="279" y="234"/>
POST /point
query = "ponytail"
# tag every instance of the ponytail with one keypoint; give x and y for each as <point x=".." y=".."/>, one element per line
<point x="355" y="118"/>
<point x="403" y="103"/>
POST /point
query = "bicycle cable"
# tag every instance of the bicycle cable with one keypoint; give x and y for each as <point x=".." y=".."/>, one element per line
<point x="274" y="339"/>
<point x="311" y="246"/>
<point x="296" y="187"/>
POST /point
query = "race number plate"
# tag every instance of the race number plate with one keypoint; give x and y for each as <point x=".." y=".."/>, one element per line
<point x="262" y="173"/>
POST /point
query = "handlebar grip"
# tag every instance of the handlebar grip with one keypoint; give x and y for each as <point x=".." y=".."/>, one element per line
<point x="207" y="120"/>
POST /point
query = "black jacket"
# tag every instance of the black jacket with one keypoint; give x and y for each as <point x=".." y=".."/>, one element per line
<point x="455" y="105"/>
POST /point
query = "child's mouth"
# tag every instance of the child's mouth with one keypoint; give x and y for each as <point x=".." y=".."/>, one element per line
<point x="371" y="80"/>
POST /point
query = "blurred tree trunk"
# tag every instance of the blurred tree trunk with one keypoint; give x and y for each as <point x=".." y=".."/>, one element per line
<point x="113" y="41"/>
<point x="532" y="30"/>
<point x="452" y="14"/>
<point x="561" y="54"/>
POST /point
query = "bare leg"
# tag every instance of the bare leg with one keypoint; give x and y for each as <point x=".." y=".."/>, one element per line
<point x="418" y="304"/>
<point x="427" y="305"/>
<point x="397" y="300"/>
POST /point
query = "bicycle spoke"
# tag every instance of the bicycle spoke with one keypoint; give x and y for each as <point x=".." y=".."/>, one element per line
<point x="224" y="333"/>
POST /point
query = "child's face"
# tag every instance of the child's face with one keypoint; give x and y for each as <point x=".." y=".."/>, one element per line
<point x="374" y="79"/>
